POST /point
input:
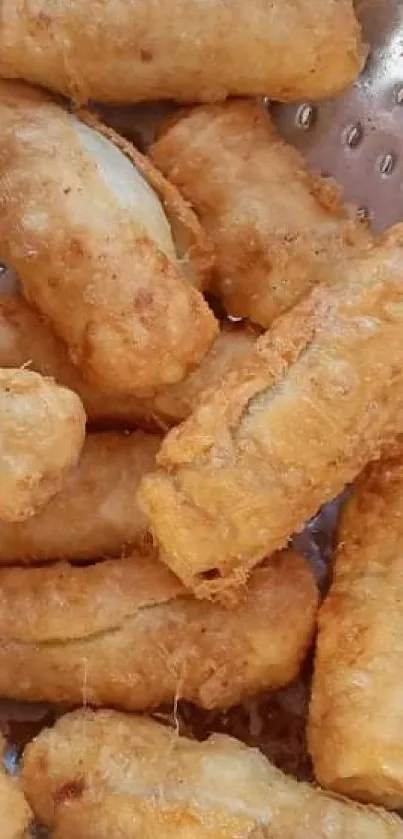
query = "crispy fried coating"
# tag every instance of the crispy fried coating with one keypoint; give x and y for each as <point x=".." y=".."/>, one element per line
<point x="126" y="51"/>
<point x="125" y="633"/>
<point x="15" y="813"/>
<point x="26" y="338"/>
<point x="301" y="416"/>
<point x="274" y="225"/>
<point x="42" y="430"/>
<point x="95" y="514"/>
<point x="107" y="775"/>
<point x="175" y="403"/>
<point x="193" y="247"/>
<point x="82" y="222"/>
<point x="356" y="713"/>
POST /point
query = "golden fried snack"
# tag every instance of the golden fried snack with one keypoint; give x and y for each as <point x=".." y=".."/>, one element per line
<point x="123" y="51"/>
<point x="125" y="633"/>
<point x="26" y="338"/>
<point x="175" y="403"/>
<point x="110" y="776"/>
<point x="15" y="814"/>
<point x="42" y="430"/>
<point x="274" y="225"/>
<point x="356" y="713"/>
<point x="83" y="223"/>
<point x="96" y="513"/>
<point x="297" y="420"/>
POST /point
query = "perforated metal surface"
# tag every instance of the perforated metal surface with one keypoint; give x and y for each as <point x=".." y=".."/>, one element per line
<point x="358" y="137"/>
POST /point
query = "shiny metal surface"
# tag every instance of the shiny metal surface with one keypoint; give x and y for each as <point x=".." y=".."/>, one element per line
<point x="358" y="137"/>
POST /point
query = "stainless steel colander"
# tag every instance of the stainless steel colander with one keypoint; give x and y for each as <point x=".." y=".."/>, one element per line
<point x="358" y="137"/>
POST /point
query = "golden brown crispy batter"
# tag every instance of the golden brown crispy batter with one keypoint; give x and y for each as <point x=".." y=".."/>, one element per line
<point x="123" y="51"/>
<point x="42" y="430"/>
<point x="356" y="714"/>
<point x="298" y="420"/>
<point x="15" y="813"/>
<point x="175" y="403"/>
<point x="275" y="226"/>
<point x="105" y="775"/>
<point x="27" y="339"/>
<point x="96" y="513"/>
<point x="126" y="633"/>
<point x="90" y="239"/>
<point x="193" y="247"/>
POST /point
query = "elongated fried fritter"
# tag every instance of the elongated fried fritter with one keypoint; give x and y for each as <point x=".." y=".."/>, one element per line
<point x="125" y="633"/>
<point x="301" y="416"/>
<point x="15" y="814"/>
<point x="275" y="226"/>
<point x="96" y="513"/>
<point x="106" y="775"/>
<point x="128" y="50"/>
<point x="356" y="713"/>
<point x="83" y="226"/>
<point x="42" y="429"/>
<point x="27" y="339"/>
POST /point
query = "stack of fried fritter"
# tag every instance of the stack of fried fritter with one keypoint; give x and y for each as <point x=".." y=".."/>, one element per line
<point x="156" y="457"/>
